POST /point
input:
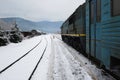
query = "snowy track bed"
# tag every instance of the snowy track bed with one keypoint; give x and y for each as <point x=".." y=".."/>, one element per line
<point x="12" y="52"/>
<point x="66" y="67"/>
<point x="81" y="67"/>
<point x="22" y="70"/>
<point x="44" y="69"/>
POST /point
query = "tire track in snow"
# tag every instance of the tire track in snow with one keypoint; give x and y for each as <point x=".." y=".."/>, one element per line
<point x="83" y="62"/>
<point x="52" y="57"/>
<point x="62" y="70"/>
<point x="91" y="69"/>
<point x="77" y="71"/>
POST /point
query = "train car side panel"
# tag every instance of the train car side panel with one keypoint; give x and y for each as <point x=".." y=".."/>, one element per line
<point x="111" y="34"/>
<point x="88" y="28"/>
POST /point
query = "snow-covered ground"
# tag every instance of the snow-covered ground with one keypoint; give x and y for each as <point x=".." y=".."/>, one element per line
<point x="59" y="62"/>
<point x="11" y="52"/>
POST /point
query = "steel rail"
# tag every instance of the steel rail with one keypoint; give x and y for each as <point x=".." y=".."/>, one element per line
<point x="19" y="58"/>
<point x="38" y="62"/>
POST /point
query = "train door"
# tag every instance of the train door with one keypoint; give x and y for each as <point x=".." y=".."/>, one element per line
<point x="98" y="30"/>
<point x="93" y="28"/>
<point x="88" y="35"/>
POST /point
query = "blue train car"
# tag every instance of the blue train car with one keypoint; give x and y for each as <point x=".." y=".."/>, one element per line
<point x="110" y="34"/>
<point x="93" y="28"/>
<point x="103" y="32"/>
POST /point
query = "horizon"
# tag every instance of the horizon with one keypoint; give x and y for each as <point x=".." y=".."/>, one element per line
<point x="31" y="20"/>
<point x="28" y="25"/>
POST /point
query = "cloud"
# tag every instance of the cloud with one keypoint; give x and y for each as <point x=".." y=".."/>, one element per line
<point x="38" y="10"/>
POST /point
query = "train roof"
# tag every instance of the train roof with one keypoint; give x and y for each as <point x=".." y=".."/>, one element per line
<point x="73" y="14"/>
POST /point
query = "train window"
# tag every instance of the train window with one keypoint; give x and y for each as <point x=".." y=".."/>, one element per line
<point x="91" y="12"/>
<point x="115" y="7"/>
<point x="98" y="17"/>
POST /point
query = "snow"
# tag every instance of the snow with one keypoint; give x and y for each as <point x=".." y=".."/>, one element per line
<point x="11" y="52"/>
<point x="59" y="62"/>
<point x="85" y="64"/>
<point x="42" y="70"/>
<point x="22" y="69"/>
<point x="66" y="67"/>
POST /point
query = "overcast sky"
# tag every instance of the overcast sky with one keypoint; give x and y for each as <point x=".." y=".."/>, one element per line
<point x="38" y="10"/>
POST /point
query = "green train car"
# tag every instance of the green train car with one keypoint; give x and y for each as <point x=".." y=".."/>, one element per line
<point x="73" y="29"/>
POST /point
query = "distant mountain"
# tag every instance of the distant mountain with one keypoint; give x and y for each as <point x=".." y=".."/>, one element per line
<point x="50" y="26"/>
<point x="6" y="26"/>
<point x="26" y="25"/>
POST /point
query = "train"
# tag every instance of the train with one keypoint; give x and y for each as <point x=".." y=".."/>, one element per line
<point x="94" y="30"/>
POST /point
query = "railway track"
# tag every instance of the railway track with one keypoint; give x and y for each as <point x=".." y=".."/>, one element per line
<point x="38" y="62"/>
<point x="3" y="70"/>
